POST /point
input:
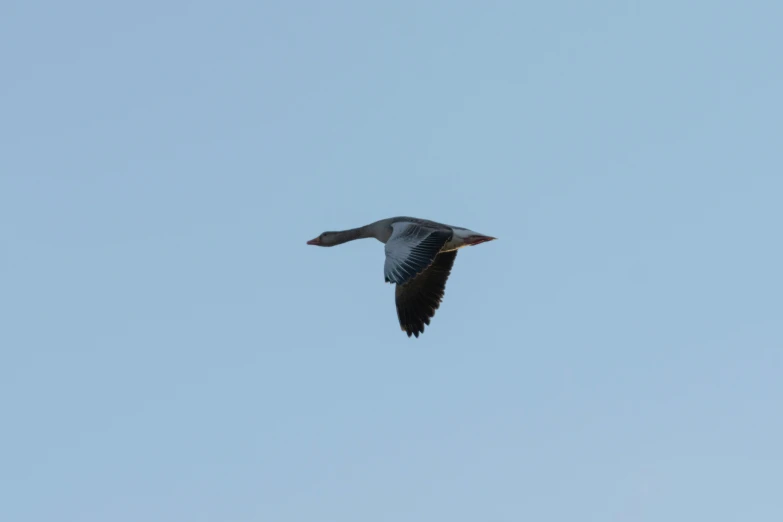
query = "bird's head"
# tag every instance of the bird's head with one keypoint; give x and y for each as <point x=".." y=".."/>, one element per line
<point x="326" y="239"/>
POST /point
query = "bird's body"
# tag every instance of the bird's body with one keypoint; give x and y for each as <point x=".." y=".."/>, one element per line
<point x="419" y="257"/>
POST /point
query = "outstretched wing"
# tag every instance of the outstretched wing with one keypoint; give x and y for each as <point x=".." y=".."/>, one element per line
<point x="418" y="299"/>
<point x="411" y="249"/>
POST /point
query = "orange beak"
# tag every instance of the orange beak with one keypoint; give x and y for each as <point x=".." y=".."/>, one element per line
<point x="316" y="241"/>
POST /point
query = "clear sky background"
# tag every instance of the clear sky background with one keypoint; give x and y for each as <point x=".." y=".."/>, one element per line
<point x="172" y="350"/>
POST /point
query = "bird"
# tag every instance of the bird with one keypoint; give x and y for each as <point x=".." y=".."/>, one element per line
<point x="419" y="256"/>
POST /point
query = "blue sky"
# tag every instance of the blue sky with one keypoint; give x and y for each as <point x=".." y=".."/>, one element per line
<point x="172" y="350"/>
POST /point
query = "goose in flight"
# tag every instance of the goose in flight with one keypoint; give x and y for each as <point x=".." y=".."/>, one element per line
<point x="419" y="257"/>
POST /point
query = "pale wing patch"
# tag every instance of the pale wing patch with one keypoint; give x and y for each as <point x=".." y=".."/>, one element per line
<point x="411" y="249"/>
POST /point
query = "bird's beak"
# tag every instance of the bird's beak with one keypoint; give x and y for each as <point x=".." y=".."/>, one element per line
<point x="316" y="241"/>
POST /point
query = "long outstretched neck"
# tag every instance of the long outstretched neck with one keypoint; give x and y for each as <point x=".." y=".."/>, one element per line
<point x="353" y="233"/>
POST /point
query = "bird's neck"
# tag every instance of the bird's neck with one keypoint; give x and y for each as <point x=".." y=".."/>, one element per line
<point x="354" y="233"/>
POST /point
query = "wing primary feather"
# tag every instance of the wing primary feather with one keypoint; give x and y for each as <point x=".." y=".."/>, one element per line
<point x="418" y="300"/>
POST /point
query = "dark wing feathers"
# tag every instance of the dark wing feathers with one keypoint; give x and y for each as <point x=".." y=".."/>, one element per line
<point x="418" y="299"/>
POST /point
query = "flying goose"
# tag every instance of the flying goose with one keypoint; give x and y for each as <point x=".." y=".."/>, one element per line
<point x="419" y="257"/>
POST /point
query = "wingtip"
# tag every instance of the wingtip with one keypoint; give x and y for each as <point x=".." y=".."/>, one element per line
<point x="412" y="333"/>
